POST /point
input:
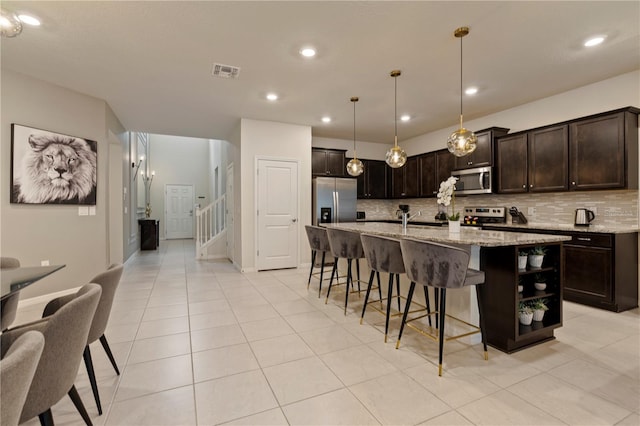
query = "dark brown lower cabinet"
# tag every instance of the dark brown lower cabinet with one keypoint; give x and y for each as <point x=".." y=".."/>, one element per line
<point x="500" y="297"/>
<point x="149" y="234"/>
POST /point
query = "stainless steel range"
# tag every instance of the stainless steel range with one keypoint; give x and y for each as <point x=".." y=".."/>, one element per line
<point x="481" y="215"/>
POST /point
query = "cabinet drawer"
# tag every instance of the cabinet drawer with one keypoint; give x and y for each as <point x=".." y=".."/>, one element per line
<point x="587" y="239"/>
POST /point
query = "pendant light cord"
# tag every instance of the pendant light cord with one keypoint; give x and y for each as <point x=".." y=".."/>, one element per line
<point x="354" y="129"/>
<point x="395" y="110"/>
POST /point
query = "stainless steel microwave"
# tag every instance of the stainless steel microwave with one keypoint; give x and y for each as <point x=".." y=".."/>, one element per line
<point x="473" y="181"/>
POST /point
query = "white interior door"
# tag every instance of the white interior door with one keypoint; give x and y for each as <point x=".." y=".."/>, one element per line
<point x="229" y="212"/>
<point x="178" y="211"/>
<point x="277" y="215"/>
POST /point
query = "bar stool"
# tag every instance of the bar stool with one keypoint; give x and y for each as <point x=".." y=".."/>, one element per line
<point x="345" y="245"/>
<point x="319" y="242"/>
<point x="383" y="255"/>
<point x="442" y="267"/>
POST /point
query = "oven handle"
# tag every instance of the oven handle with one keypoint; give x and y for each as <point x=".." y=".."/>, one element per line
<point x="480" y="180"/>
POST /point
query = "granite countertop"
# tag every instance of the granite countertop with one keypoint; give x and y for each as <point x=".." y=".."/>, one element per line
<point x="467" y="236"/>
<point x="604" y="229"/>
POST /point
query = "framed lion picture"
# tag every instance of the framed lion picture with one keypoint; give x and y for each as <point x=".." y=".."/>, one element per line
<point x="52" y="168"/>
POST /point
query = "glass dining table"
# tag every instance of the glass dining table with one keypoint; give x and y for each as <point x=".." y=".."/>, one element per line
<point x="15" y="279"/>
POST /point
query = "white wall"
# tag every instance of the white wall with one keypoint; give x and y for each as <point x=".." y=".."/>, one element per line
<point x="178" y="160"/>
<point x="276" y="140"/>
<point x="55" y="232"/>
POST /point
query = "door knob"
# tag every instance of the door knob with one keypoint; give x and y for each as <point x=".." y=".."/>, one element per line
<point x="294" y="220"/>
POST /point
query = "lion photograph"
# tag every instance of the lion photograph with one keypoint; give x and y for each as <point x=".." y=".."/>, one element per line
<point x="52" y="168"/>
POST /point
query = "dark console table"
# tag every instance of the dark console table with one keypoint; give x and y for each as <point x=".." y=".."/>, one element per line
<point x="149" y="234"/>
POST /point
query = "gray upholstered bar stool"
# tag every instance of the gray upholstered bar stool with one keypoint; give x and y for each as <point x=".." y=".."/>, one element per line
<point x="345" y="245"/>
<point x="319" y="242"/>
<point x="442" y="267"/>
<point x="383" y="255"/>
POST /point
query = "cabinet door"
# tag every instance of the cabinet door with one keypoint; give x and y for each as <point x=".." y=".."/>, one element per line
<point x="588" y="275"/>
<point x="548" y="157"/>
<point x="482" y="156"/>
<point x="336" y="165"/>
<point x="597" y="153"/>
<point x="427" y="174"/>
<point x="445" y="163"/>
<point x="362" y="191"/>
<point x="376" y="172"/>
<point x="318" y="162"/>
<point x="511" y="162"/>
<point x="411" y="177"/>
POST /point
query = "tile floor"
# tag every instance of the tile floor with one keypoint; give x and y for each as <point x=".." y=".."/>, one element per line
<point x="199" y="343"/>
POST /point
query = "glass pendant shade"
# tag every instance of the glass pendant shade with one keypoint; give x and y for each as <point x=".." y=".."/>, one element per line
<point x="355" y="167"/>
<point x="10" y="25"/>
<point x="396" y="157"/>
<point x="462" y="142"/>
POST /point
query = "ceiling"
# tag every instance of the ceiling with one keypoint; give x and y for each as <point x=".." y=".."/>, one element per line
<point x="152" y="61"/>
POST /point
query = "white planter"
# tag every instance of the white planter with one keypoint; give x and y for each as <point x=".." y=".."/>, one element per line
<point x="525" y="317"/>
<point x="540" y="286"/>
<point x="522" y="262"/>
<point x="535" y="260"/>
<point x="454" y="226"/>
<point x="538" y="314"/>
<point x="520" y="288"/>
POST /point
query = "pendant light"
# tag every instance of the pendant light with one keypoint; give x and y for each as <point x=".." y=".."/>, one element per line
<point x="396" y="157"/>
<point x="354" y="166"/>
<point x="10" y="25"/>
<point x="461" y="142"/>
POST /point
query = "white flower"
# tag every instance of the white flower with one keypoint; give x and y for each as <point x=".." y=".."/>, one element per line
<point x="446" y="192"/>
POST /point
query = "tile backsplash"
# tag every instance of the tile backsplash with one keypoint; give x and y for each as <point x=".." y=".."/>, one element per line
<point x="611" y="207"/>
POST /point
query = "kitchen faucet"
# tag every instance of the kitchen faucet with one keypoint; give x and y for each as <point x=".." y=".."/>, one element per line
<point x="406" y="217"/>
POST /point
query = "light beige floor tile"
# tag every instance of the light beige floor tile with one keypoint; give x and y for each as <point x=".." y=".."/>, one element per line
<point x="505" y="408"/>
<point x="339" y="407"/>
<point x="567" y="402"/>
<point x="357" y="364"/>
<point x="154" y="376"/>
<point x="315" y="377"/>
<point x="163" y="327"/>
<point x="121" y="333"/>
<point x="170" y="407"/>
<point x="279" y="350"/>
<point x="401" y="358"/>
<point x="204" y="295"/>
<point x="159" y="347"/>
<point x="292" y="307"/>
<point x="233" y="397"/>
<point x="164" y="312"/>
<point x="308" y="321"/>
<point x="245" y="292"/>
<point x="255" y="313"/>
<point x="329" y="339"/>
<point x="267" y="328"/>
<point x="452" y="418"/>
<point x="365" y="332"/>
<point x="212" y="319"/>
<point x="133" y="316"/>
<point x="126" y="305"/>
<point x="216" y="363"/>
<point x="622" y="356"/>
<point x="397" y="399"/>
<point x="208" y="306"/>
<point x="216" y="337"/>
<point x="166" y="300"/>
<point x="632" y="419"/>
<point x="273" y="417"/>
<point x="603" y="382"/>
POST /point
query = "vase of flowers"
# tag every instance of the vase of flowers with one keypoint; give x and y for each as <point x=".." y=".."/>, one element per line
<point x="447" y="197"/>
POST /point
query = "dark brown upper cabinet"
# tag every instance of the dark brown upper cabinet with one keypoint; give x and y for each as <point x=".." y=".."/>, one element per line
<point x="604" y="151"/>
<point x="483" y="155"/>
<point x="404" y="180"/>
<point x="433" y="168"/>
<point x="373" y="183"/>
<point x="328" y="162"/>
<point x="534" y="161"/>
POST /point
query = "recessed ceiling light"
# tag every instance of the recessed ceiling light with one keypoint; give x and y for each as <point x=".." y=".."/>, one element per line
<point x="326" y="119"/>
<point x="405" y="117"/>
<point x="471" y="91"/>
<point x="308" y="52"/>
<point x="594" y="41"/>
<point x="29" y="20"/>
<point x="272" y="96"/>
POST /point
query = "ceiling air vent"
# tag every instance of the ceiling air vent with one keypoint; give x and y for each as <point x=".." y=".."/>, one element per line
<point x="225" y="71"/>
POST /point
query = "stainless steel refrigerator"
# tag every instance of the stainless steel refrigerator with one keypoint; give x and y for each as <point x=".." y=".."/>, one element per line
<point x="334" y="200"/>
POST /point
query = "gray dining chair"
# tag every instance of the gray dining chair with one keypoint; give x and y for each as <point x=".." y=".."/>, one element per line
<point x="109" y="281"/>
<point x="65" y="336"/>
<point x="16" y="373"/>
<point x="9" y="305"/>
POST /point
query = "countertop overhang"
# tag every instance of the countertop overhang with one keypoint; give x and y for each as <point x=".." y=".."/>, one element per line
<point x="467" y="236"/>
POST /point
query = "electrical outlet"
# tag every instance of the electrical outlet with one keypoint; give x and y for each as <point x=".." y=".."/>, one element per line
<point x="531" y="210"/>
<point x="44" y="263"/>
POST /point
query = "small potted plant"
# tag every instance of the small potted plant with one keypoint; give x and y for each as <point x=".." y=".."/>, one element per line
<point x="539" y="306"/>
<point x="540" y="282"/>
<point x="522" y="259"/>
<point x="520" y="285"/>
<point x="525" y="313"/>
<point x="536" y="256"/>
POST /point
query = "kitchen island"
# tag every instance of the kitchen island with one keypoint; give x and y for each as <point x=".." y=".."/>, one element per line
<point x="496" y="253"/>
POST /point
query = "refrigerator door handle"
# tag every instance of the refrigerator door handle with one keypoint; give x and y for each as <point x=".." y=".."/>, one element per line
<point x="337" y="206"/>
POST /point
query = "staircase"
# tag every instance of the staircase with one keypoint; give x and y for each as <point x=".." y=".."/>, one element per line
<point x="210" y="226"/>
